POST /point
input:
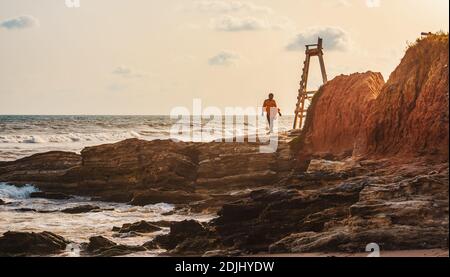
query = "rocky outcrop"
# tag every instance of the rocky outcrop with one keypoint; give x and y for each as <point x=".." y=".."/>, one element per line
<point x="410" y="116"/>
<point x="102" y="247"/>
<point x="46" y="167"/>
<point x="31" y="244"/>
<point x="139" y="227"/>
<point x="359" y="115"/>
<point x="81" y="209"/>
<point x="149" y="172"/>
<point x="50" y="195"/>
<point x="408" y="212"/>
<point x="187" y="237"/>
<point x="338" y="113"/>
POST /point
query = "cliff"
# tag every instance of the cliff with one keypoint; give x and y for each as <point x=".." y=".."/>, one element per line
<point x="407" y="117"/>
<point x="410" y="116"/>
<point x="338" y="113"/>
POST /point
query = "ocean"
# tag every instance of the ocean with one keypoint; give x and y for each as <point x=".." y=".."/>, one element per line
<point x="25" y="214"/>
<point x="23" y="135"/>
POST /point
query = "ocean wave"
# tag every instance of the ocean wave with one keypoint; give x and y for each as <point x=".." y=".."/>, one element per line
<point x="69" y="137"/>
<point x="14" y="192"/>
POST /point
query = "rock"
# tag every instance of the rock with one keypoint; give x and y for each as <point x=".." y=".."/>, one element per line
<point x="126" y="235"/>
<point x="39" y="168"/>
<point x="187" y="237"/>
<point x="386" y="207"/>
<point x="31" y="244"/>
<point x="267" y="216"/>
<point x="151" y="196"/>
<point x="115" y="197"/>
<point x="81" y="209"/>
<point x="102" y="247"/>
<point x="337" y="114"/>
<point x="142" y="172"/>
<point x="222" y="253"/>
<point x="139" y="227"/>
<point x="392" y="238"/>
<point x="410" y="116"/>
<point x="25" y="210"/>
<point x="2" y="202"/>
<point x="150" y="245"/>
<point x="50" y="195"/>
<point x="120" y="250"/>
<point x="98" y="243"/>
<point x="358" y="115"/>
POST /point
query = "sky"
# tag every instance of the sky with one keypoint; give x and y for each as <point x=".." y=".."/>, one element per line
<point x="145" y="57"/>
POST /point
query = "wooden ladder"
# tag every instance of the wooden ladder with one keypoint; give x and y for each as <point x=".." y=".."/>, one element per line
<point x="303" y="94"/>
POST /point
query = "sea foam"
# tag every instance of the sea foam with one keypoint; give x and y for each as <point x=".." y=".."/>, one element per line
<point x="14" y="192"/>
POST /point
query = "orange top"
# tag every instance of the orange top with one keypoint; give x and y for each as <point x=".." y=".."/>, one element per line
<point x="268" y="104"/>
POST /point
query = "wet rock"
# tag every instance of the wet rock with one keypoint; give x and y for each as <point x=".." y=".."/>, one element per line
<point x="150" y="245"/>
<point x="31" y="244"/>
<point x="50" y="195"/>
<point x="25" y="210"/>
<point x="39" y="168"/>
<point x="188" y="237"/>
<point x="222" y="253"/>
<point x="98" y="243"/>
<point x="138" y="227"/>
<point x="120" y="250"/>
<point x="2" y="202"/>
<point x="150" y="196"/>
<point x="116" y="197"/>
<point x="102" y="247"/>
<point x="81" y="209"/>
<point x="127" y="235"/>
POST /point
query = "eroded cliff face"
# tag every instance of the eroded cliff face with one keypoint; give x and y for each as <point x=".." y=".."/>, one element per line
<point x="407" y="117"/>
<point x="338" y="113"/>
<point x="410" y="116"/>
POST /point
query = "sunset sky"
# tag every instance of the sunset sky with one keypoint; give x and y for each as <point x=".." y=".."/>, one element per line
<point x="148" y="56"/>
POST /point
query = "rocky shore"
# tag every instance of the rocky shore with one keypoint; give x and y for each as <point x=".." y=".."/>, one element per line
<point x="370" y="166"/>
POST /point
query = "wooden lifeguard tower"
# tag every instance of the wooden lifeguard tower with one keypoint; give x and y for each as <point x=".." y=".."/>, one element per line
<point x="303" y="94"/>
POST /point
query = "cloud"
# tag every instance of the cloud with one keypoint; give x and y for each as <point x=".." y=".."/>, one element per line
<point x="334" y="38"/>
<point x="127" y="72"/>
<point x="20" y="22"/>
<point x="224" y="58"/>
<point x="239" y="24"/>
<point x="221" y="6"/>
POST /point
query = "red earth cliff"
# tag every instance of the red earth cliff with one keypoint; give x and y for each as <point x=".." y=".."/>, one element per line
<point x="407" y="117"/>
<point x="338" y="112"/>
<point x="410" y="116"/>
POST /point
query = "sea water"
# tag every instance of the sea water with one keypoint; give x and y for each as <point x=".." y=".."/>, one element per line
<point x="25" y="214"/>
